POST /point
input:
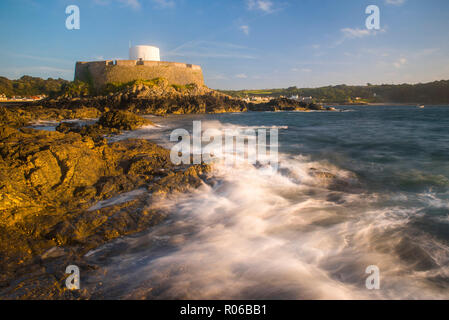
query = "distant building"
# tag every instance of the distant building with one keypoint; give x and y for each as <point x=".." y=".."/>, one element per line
<point x="298" y="98"/>
<point x="306" y="99"/>
<point x="144" y="53"/>
<point x="144" y="64"/>
<point x="257" y="99"/>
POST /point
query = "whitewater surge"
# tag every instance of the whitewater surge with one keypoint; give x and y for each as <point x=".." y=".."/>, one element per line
<point x="308" y="230"/>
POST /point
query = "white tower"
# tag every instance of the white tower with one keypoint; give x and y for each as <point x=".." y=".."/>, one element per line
<point x="147" y="53"/>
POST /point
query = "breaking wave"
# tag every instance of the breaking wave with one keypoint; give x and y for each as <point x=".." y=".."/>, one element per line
<point x="308" y="230"/>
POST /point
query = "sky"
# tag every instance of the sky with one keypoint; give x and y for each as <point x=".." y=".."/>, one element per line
<point x="240" y="44"/>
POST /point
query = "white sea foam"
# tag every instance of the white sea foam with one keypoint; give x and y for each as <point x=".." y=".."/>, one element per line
<point x="258" y="233"/>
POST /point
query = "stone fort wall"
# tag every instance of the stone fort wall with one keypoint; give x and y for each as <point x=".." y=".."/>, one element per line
<point x="99" y="73"/>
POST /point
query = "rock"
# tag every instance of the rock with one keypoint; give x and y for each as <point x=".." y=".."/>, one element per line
<point x="314" y="106"/>
<point x="18" y="117"/>
<point x="49" y="180"/>
<point x="12" y="119"/>
<point x="7" y="131"/>
<point x="111" y="122"/>
<point x="180" y="181"/>
<point x="122" y="120"/>
<point x="66" y="127"/>
<point x="284" y="104"/>
<point x="155" y="96"/>
<point x="323" y="175"/>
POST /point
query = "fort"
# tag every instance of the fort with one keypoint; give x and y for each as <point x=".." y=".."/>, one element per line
<point x="144" y="64"/>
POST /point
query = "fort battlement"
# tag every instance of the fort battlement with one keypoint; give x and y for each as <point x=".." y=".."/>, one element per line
<point x="100" y="73"/>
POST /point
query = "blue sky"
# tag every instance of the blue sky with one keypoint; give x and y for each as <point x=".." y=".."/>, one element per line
<point x="239" y="43"/>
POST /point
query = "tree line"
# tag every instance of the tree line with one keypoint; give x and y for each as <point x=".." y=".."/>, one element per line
<point x="436" y="92"/>
<point x="31" y="86"/>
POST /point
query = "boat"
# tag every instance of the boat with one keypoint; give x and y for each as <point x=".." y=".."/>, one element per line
<point x="421" y="106"/>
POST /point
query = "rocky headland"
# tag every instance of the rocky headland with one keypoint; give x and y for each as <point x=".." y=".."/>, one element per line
<point x="158" y="97"/>
<point x="51" y="183"/>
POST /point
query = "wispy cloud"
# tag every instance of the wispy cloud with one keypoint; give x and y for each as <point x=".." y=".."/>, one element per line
<point x="426" y="52"/>
<point x="135" y="4"/>
<point x="301" y="70"/>
<point x="350" y="33"/>
<point x="217" y="77"/>
<point x="39" y="58"/>
<point x="265" y="6"/>
<point x="164" y="3"/>
<point x="241" y="76"/>
<point x="211" y="49"/>
<point x="245" y="29"/>
<point x="398" y="64"/>
<point x="356" y="33"/>
<point x="395" y="2"/>
<point x="51" y="69"/>
<point x="40" y="71"/>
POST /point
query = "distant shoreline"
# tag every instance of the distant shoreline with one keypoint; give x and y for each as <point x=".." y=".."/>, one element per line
<point x="15" y="103"/>
<point x="388" y="104"/>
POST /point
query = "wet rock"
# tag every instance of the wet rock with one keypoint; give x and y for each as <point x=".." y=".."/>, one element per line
<point x="122" y="120"/>
<point x="7" y="131"/>
<point x="111" y="122"/>
<point x="315" y="106"/>
<point x="12" y="119"/>
<point x="284" y="104"/>
<point x="18" y="117"/>
<point x="49" y="180"/>
<point x="321" y="174"/>
<point x="180" y="181"/>
<point x="66" y="127"/>
<point x="155" y="96"/>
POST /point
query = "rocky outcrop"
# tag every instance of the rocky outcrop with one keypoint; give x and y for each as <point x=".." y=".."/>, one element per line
<point x="156" y="96"/>
<point x="18" y="117"/>
<point x="111" y="122"/>
<point x="159" y="97"/>
<point x="48" y="182"/>
<point x="186" y="105"/>
<point x="284" y="104"/>
<point x="122" y="120"/>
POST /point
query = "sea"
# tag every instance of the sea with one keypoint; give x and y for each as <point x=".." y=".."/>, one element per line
<point x="357" y="208"/>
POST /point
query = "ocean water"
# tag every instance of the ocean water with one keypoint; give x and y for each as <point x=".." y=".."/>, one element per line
<point x="256" y="233"/>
